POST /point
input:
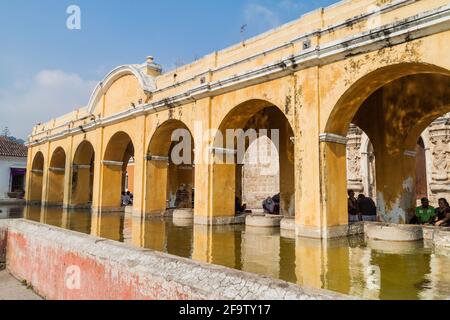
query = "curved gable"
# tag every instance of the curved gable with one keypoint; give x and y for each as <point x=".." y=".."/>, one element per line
<point x="120" y="87"/>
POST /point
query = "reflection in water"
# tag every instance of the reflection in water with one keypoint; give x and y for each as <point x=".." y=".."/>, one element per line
<point x="372" y="270"/>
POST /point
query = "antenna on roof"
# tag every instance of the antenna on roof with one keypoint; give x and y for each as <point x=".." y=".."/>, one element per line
<point x="243" y="29"/>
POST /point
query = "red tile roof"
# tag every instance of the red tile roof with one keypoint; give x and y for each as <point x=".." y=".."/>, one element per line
<point x="10" y="148"/>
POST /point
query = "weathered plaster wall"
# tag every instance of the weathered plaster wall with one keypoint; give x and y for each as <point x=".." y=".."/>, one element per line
<point x="49" y="257"/>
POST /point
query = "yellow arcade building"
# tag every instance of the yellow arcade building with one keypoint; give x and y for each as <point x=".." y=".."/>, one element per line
<point x="383" y="65"/>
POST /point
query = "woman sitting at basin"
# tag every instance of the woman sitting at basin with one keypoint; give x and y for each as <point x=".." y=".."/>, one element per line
<point x="443" y="214"/>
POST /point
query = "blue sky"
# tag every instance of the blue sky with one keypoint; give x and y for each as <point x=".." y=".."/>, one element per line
<point x="47" y="70"/>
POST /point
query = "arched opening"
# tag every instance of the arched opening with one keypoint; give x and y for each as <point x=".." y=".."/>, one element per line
<point x="118" y="155"/>
<point x="260" y="122"/>
<point x="170" y="169"/>
<point x="260" y="173"/>
<point x="36" y="179"/>
<point x="393" y="113"/>
<point x="83" y="176"/>
<point x="361" y="165"/>
<point x="56" y="173"/>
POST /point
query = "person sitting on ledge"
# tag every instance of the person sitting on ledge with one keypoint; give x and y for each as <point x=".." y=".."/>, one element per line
<point x="367" y="208"/>
<point x="130" y="196"/>
<point x="353" y="211"/>
<point x="125" y="199"/>
<point x="239" y="207"/>
<point x="425" y="214"/>
<point x="272" y="205"/>
<point x="443" y="214"/>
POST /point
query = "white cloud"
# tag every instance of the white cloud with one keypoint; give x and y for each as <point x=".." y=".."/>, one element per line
<point x="292" y="5"/>
<point x="260" y="17"/>
<point x="49" y="94"/>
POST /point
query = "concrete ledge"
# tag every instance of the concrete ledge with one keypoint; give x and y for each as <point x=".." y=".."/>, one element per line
<point x="33" y="203"/>
<point x="48" y="257"/>
<point x="266" y="221"/>
<point x="150" y="215"/>
<point x="217" y="221"/>
<point x="78" y="207"/>
<point x="129" y="210"/>
<point x="356" y="229"/>
<point x="288" y="224"/>
<point x="442" y="239"/>
<point x="52" y="204"/>
<point x="325" y="233"/>
<point x="389" y="232"/>
<point x="288" y="234"/>
<point x="108" y="209"/>
<point x="180" y="214"/>
<point x="183" y="223"/>
<point x="430" y="231"/>
<point x="12" y="202"/>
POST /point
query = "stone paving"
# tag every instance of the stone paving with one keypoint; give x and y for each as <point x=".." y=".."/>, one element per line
<point x="13" y="289"/>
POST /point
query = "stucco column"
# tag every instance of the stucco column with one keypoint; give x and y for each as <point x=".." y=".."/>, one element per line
<point x="140" y="151"/>
<point x="29" y="174"/>
<point x="67" y="181"/>
<point x="156" y="193"/>
<point x="287" y="173"/>
<point x="35" y="185"/>
<point x="223" y="190"/>
<point x="112" y="186"/>
<point x="55" y="193"/>
<point x="80" y="191"/>
<point x="396" y="184"/>
<point x="98" y="171"/>
<point x="332" y="219"/>
<point x="45" y="176"/>
<point x="215" y="189"/>
<point x="333" y="150"/>
<point x="308" y="194"/>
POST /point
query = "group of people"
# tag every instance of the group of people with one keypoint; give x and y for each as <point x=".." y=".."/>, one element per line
<point x="271" y="205"/>
<point x="361" y="209"/>
<point x="364" y="209"/>
<point x="428" y="215"/>
<point x="127" y="198"/>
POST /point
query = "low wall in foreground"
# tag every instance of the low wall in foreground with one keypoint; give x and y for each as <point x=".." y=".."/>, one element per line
<point x="61" y="264"/>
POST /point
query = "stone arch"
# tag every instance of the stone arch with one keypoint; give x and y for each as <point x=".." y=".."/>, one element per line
<point x="36" y="179"/>
<point x="118" y="152"/>
<point x="265" y="119"/>
<point x="170" y="168"/>
<point x="146" y="82"/>
<point x="349" y="103"/>
<point x="56" y="174"/>
<point x="393" y="105"/>
<point x="82" y="183"/>
<point x="260" y="179"/>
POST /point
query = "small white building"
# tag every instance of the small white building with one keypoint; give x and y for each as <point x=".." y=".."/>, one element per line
<point x="13" y="164"/>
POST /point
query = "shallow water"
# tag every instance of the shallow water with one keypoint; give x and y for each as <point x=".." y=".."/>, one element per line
<point x="372" y="270"/>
